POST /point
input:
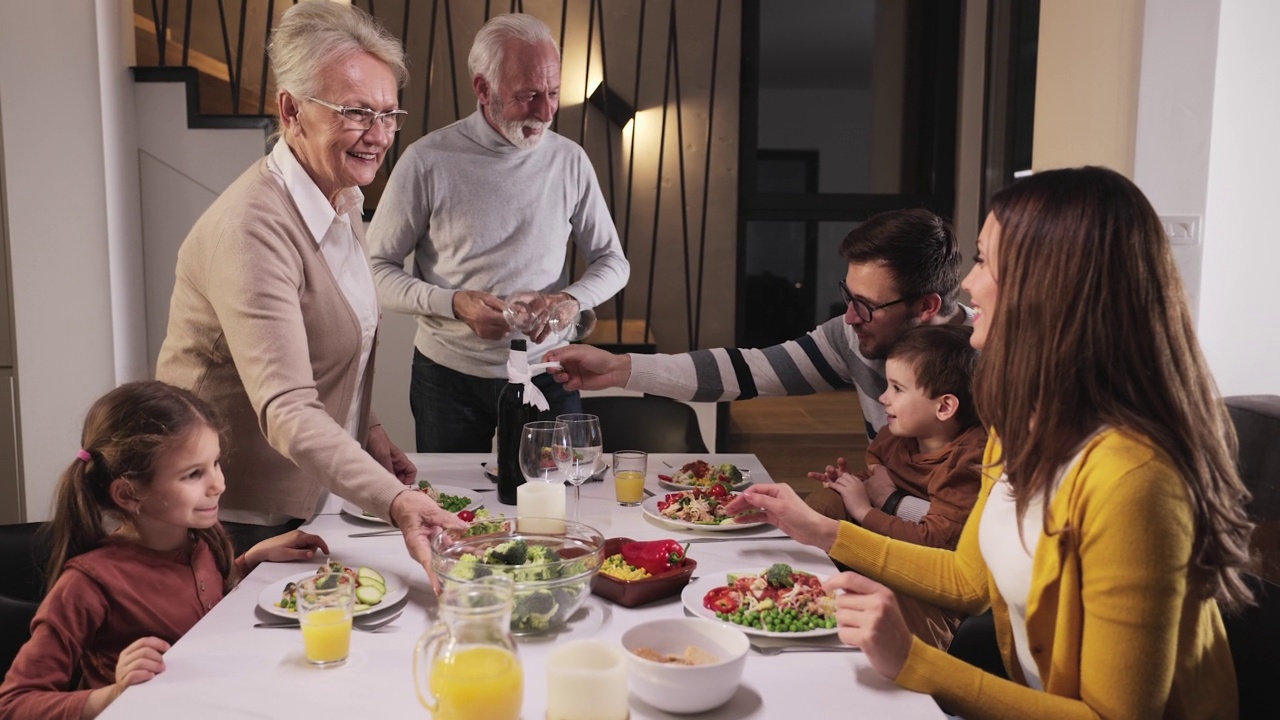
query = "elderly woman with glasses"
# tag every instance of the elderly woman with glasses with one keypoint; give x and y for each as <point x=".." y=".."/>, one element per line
<point x="274" y="314"/>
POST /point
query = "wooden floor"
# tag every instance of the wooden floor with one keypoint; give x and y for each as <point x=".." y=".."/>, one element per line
<point x="793" y="436"/>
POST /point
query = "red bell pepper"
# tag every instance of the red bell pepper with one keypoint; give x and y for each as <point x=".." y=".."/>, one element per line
<point x="655" y="557"/>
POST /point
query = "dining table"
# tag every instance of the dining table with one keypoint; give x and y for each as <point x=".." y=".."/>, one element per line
<point x="224" y="667"/>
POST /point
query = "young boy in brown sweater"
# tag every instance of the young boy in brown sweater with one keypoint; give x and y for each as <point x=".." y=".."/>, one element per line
<point x="933" y="451"/>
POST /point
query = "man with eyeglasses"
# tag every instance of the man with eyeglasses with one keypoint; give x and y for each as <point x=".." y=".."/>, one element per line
<point x="903" y="271"/>
<point x="487" y="206"/>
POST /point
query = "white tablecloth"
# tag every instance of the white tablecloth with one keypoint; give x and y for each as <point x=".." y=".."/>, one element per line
<point x="226" y="668"/>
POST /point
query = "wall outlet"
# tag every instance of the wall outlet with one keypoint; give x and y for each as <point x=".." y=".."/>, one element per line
<point x="1182" y="229"/>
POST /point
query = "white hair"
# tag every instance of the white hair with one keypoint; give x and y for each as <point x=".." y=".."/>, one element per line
<point x="489" y="47"/>
<point x="315" y="33"/>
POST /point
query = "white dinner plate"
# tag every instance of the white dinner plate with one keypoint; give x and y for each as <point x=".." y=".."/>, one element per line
<point x="397" y="588"/>
<point x="695" y="591"/>
<point x="354" y="510"/>
<point x="650" y="507"/>
<point x="746" y="480"/>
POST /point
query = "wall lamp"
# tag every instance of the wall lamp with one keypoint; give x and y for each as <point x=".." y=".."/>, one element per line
<point x="612" y="105"/>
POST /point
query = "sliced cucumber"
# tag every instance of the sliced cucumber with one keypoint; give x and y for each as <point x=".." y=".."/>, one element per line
<point x="365" y="572"/>
<point x="360" y="607"/>
<point x="369" y="595"/>
<point x="370" y="582"/>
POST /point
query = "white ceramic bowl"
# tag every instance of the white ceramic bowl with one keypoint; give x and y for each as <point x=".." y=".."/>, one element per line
<point x="683" y="688"/>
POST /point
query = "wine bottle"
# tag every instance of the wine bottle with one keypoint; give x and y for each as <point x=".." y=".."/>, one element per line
<point x="513" y="413"/>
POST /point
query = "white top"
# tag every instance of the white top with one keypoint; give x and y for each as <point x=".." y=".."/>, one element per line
<point x="1010" y="561"/>
<point x="333" y="234"/>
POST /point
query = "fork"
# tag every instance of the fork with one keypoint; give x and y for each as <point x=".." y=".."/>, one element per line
<point x="776" y="649"/>
<point x="357" y="623"/>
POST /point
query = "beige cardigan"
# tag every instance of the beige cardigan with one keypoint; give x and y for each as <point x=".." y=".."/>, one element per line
<point x="259" y="327"/>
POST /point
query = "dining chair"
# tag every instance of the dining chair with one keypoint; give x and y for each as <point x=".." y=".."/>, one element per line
<point x="650" y="423"/>
<point x="22" y="555"/>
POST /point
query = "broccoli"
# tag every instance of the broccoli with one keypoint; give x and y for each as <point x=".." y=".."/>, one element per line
<point x="779" y="575"/>
<point x="541" y="554"/>
<point x="729" y="473"/>
<point x="469" y="568"/>
<point x="534" y="610"/>
<point x="511" y="552"/>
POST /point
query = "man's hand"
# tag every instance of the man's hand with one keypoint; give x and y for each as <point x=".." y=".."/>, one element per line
<point x="832" y="473"/>
<point x="420" y="519"/>
<point x="291" y="546"/>
<point x="481" y="312"/>
<point x="585" y="367"/>
<point x="380" y="447"/>
<point x="782" y="508"/>
<point x="868" y="617"/>
<point x="854" y="495"/>
<point x="561" y="308"/>
<point x="879" y="485"/>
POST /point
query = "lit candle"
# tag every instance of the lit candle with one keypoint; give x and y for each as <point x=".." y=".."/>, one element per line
<point x="540" y="500"/>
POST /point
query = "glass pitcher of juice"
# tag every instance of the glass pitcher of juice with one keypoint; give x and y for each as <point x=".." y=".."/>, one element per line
<point x="465" y="667"/>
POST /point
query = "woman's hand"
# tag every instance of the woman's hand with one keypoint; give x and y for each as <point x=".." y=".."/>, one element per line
<point x="138" y="663"/>
<point x="781" y="507"/>
<point x="291" y="546"/>
<point x="868" y="617"/>
<point x="854" y="494"/>
<point x="420" y="519"/>
<point x="583" y="367"/>
<point x="379" y="446"/>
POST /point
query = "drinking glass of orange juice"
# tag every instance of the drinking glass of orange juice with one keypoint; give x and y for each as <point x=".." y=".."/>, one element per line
<point x="325" y="604"/>
<point x="629" y="468"/>
<point x="465" y="667"/>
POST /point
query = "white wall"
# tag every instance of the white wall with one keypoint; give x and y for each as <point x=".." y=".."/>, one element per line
<point x="1175" y="118"/>
<point x="1241" y="243"/>
<point x="57" y="204"/>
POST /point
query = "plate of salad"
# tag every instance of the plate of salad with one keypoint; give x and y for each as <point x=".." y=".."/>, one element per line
<point x="701" y="474"/>
<point x="696" y="509"/>
<point x="453" y="499"/>
<point x="375" y="590"/>
<point x="776" y="601"/>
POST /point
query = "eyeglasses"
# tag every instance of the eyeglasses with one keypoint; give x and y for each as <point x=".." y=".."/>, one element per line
<point x="359" y="118"/>
<point x="863" y="308"/>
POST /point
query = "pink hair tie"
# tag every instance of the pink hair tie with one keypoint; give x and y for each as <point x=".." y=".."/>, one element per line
<point x="84" y="455"/>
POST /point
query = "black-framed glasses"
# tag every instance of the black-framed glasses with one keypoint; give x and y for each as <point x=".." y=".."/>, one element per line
<point x="359" y="118"/>
<point x="863" y="308"/>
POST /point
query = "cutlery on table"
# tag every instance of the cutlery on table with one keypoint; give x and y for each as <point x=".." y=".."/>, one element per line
<point x="356" y="623"/>
<point x="776" y="649"/>
<point x="375" y="533"/>
<point x="733" y="539"/>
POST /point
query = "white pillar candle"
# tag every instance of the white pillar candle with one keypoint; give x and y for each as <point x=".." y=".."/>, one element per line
<point x="540" y="500"/>
<point x="586" y="680"/>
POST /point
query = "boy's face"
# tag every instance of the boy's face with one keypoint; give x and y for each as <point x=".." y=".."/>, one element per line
<point x="912" y="413"/>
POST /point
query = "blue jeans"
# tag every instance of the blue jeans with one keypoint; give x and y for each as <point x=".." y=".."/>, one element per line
<point x="456" y="412"/>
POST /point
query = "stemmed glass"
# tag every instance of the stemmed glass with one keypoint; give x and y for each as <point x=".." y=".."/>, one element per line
<point x="585" y="444"/>
<point x="527" y="312"/>
<point x="544" y="451"/>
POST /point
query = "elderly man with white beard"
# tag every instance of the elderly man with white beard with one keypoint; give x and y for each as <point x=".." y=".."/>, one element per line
<point x="487" y="206"/>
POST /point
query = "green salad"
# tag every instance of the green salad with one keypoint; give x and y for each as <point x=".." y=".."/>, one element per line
<point x="534" y="609"/>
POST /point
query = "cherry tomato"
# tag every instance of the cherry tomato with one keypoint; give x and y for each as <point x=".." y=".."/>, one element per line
<point x="662" y="505"/>
<point x="720" y="599"/>
<point x="718" y="491"/>
<point x="466" y="515"/>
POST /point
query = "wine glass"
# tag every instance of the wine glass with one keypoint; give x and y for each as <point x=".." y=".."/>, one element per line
<point x="526" y="311"/>
<point x="585" y="443"/>
<point x="544" y="451"/>
<point x="571" y="322"/>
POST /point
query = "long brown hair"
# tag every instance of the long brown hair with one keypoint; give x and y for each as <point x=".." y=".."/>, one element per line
<point x="125" y="433"/>
<point x="1092" y="328"/>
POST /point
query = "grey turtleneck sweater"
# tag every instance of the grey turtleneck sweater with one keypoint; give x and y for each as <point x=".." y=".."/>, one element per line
<point x="478" y="213"/>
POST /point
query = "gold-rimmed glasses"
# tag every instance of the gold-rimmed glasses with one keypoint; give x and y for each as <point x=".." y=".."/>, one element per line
<point x="359" y="118"/>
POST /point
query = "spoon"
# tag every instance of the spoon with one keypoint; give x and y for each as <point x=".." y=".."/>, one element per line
<point x="356" y="623"/>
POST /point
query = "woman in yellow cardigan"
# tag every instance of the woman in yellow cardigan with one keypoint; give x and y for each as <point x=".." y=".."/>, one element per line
<point x="1111" y="524"/>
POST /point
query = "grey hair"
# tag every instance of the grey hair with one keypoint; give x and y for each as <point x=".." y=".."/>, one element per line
<point x="489" y="47"/>
<point x="314" y="33"/>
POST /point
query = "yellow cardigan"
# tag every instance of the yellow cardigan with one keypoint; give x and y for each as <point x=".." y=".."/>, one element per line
<point x="1112" y="617"/>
